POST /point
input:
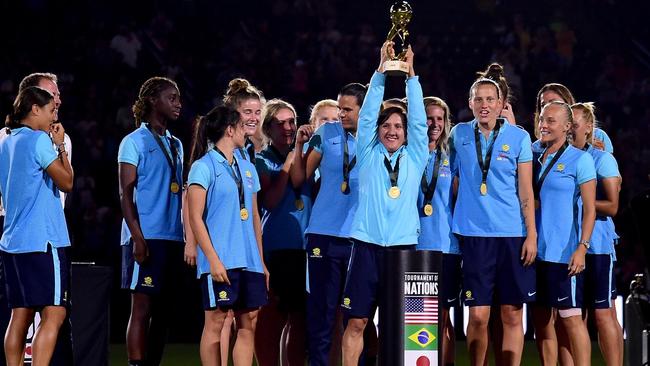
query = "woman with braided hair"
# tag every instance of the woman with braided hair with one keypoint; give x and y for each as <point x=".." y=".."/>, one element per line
<point x="150" y="173"/>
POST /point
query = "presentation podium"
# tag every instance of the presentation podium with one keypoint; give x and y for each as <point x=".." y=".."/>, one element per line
<point x="408" y="314"/>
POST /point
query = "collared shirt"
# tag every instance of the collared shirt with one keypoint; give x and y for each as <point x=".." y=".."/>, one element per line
<point x="498" y="213"/>
<point x="435" y="230"/>
<point x="159" y="209"/>
<point x="558" y="220"/>
<point x="34" y="215"/>
<point x="380" y="219"/>
<point x="229" y="234"/>
<point x="284" y="226"/>
<point x="333" y="210"/>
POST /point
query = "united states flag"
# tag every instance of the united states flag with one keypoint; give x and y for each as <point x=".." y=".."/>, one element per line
<point x="420" y="310"/>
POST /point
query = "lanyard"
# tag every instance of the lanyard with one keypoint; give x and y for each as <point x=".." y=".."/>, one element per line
<point x="429" y="188"/>
<point x="248" y="153"/>
<point x="171" y="160"/>
<point x="236" y="176"/>
<point x="485" y="166"/>
<point x="540" y="181"/>
<point x="347" y="164"/>
<point x="393" y="173"/>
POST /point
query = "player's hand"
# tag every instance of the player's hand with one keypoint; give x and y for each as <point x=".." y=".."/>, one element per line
<point x="386" y="53"/>
<point x="577" y="262"/>
<point x="304" y="134"/>
<point x="288" y="161"/>
<point x="218" y="272"/>
<point x="409" y="60"/>
<point x="529" y="251"/>
<point x="189" y="254"/>
<point x="508" y="114"/>
<point x="140" y="250"/>
<point x="57" y="132"/>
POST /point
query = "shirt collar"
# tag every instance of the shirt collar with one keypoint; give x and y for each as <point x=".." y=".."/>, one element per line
<point x="144" y="124"/>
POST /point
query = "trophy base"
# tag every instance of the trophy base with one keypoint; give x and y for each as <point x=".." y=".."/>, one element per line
<point x="396" y="68"/>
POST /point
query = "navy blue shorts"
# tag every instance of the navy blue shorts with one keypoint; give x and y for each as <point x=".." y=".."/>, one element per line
<point x="247" y="290"/>
<point x="37" y="279"/>
<point x="599" y="281"/>
<point x="288" y="270"/>
<point x="451" y="280"/>
<point x="493" y="273"/>
<point x="555" y="289"/>
<point x="161" y="271"/>
<point x="363" y="288"/>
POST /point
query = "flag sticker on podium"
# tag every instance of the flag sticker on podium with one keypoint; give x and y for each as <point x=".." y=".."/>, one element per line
<point x="420" y="331"/>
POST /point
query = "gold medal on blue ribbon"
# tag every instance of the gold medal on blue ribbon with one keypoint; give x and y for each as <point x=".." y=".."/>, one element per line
<point x="300" y="205"/>
<point x="243" y="213"/>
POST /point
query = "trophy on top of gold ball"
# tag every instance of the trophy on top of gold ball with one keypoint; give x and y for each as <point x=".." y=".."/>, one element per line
<point x="400" y="16"/>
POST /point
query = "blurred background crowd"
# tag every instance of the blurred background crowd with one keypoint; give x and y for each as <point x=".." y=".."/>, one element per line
<point x="304" y="51"/>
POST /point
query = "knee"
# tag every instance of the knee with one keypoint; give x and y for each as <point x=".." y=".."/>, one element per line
<point x="479" y="319"/>
<point x="356" y="327"/>
<point x="604" y="319"/>
<point x="511" y="319"/>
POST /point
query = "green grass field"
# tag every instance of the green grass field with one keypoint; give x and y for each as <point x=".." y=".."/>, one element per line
<point x="188" y="354"/>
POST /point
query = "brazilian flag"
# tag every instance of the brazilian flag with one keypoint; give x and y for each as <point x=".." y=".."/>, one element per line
<point x="418" y="337"/>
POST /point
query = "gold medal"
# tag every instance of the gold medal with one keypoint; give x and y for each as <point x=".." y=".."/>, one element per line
<point x="394" y="192"/>
<point x="174" y="187"/>
<point x="243" y="213"/>
<point x="344" y="186"/>
<point x="299" y="204"/>
<point x="428" y="209"/>
<point x="483" y="189"/>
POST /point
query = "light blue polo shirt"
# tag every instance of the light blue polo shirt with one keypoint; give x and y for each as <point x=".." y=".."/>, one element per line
<point x="333" y="211"/>
<point x="221" y="213"/>
<point x="284" y="226"/>
<point x="497" y="214"/>
<point x="381" y="219"/>
<point x="33" y="213"/>
<point x="604" y="234"/>
<point x="602" y="136"/>
<point x="159" y="209"/>
<point x="558" y="218"/>
<point x="435" y="230"/>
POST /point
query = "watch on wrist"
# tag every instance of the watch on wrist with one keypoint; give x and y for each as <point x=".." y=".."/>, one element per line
<point x="585" y="243"/>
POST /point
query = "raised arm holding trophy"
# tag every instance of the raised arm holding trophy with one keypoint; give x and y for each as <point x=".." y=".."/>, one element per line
<point x="400" y="15"/>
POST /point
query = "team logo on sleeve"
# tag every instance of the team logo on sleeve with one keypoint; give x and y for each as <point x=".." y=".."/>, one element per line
<point x="560" y="167"/>
<point x="346" y="303"/>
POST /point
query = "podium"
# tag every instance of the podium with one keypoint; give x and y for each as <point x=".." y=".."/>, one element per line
<point x="408" y="312"/>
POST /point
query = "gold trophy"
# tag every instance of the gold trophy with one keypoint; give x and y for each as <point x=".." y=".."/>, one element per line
<point x="400" y="16"/>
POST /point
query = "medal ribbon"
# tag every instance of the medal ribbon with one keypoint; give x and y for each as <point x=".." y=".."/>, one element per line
<point x="235" y="174"/>
<point x="429" y="188"/>
<point x="537" y="187"/>
<point x="393" y="174"/>
<point x="485" y="166"/>
<point x="347" y="164"/>
<point x="171" y="160"/>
